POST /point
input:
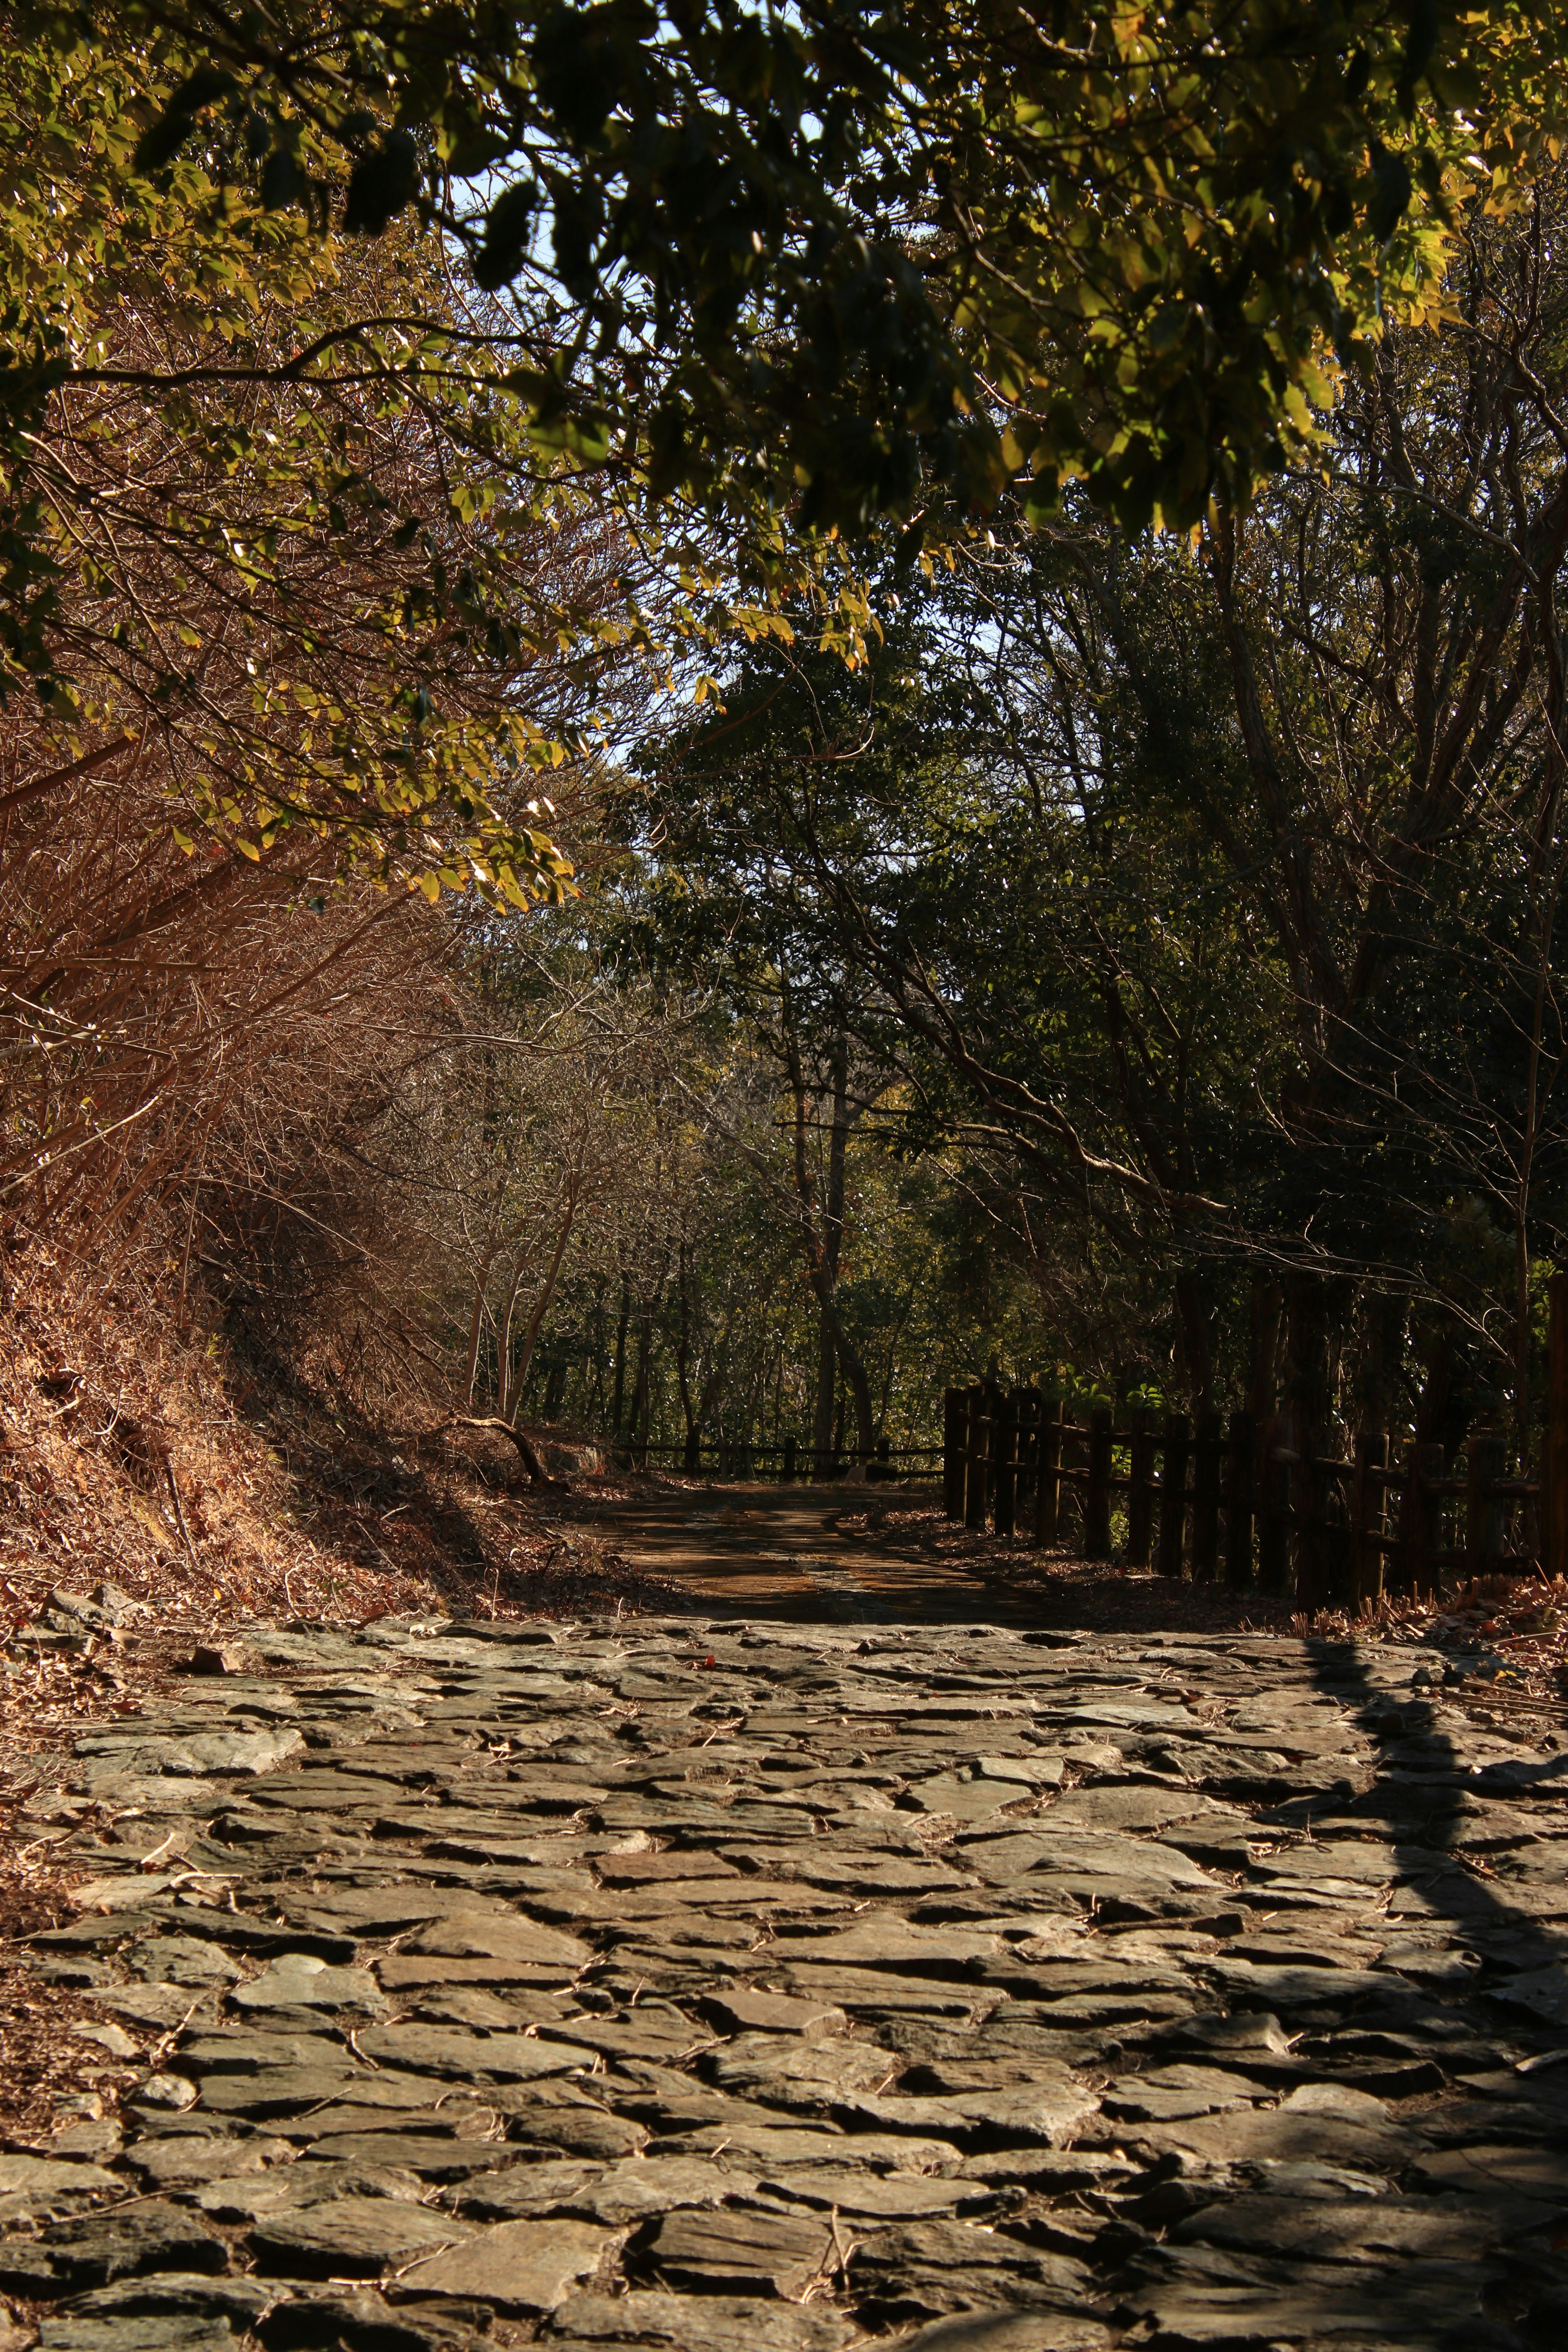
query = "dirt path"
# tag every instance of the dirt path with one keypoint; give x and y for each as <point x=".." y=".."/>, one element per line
<point x="882" y="1554"/>
<point x="803" y="1554"/>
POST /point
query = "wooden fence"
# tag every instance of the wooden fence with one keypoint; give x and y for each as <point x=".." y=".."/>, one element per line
<point x="787" y="1459"/>
<point x="1260" y="1502"/>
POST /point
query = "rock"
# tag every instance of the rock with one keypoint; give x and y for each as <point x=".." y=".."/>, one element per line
<point x="364" y="2322"/>
<point x="1543" y="1991"/>
<point x="649" y="1869"/>
<point x="1174" y="2092"/>
<point x="227" y="1659"/>
<point x="123" y="1894"/>
<point x="143" y="2332"/>
<point x="1045" y="2115"/>
<point x="175" y="2294"/>
<point x="403" y="1970"/>
<point x="582" y="2128"/>
<point x="160" y="2090"/>
<point x="182" y="1961"/>
<point x="744" y="2011"/>
<point x="452" y="2051"/>
<point x="121" y="2242"/>
<point x="350" y="2237"/>
<point x="884" y="2196"/>
<point x="786" y="2072"/>
<point x="519" y="2267"/>
<point x="1011" y="2331"/>
<point x="177" y="2160"/>
<point x="50" y="2176"/>
<point x="242" y="1753"/>
<point x="300" y="1980"/>
<point x="617" y="2195"/>
<point x="501" y="1937"/>
<point x="1201" y="2296"/>
<point x="921" y="2268"/>
<point x="742" y="2253"/>
<point x="700" y="2324"/>
<point x="1355" y="2229"/>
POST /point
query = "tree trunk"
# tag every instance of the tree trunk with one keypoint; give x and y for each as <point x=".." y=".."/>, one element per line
<point x="1264" y="1304"/>
<point x="1306" y="1415"/>
<point x="691" y="1456"/>
<point x="1194" y="1324"/>
<point x="835" y="1351"/>
<point x="621" y="1355"/>
<point x="514" y="1383"/>
<point x="639" y="1412"/>
<point x="826" y="1377"/>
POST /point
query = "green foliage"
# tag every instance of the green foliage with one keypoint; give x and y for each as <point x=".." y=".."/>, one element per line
<point x="1205" y="895"/>
<point x="839" y="261"/>
<point x="294" y="580"/>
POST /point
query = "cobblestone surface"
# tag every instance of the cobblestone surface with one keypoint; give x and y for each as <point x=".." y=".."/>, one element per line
<point x="772" y="1990"/>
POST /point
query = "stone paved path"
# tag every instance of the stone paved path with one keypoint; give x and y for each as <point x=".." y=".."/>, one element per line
<point x="687" y="1986"/>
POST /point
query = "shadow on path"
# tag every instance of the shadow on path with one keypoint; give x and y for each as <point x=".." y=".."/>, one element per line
<point x="1419" y="1797"/>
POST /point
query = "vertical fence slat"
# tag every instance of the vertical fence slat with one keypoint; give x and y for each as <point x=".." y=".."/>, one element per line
<point x="1047" y="1475"/>
<point x="1097" y="1496"/>
<point x="1140" y="1489"/>
<point x="1554" y="1453"/>
<point x="955" y="1437"/>
<point x="1004" y="1428"/>
<point x="974" y="1495"/>
<point x="1241" y="1451"/>
<point x="1207" y="1451"/>
<point x="1307" y="1503"/>
<point x="1418" y="1520"/>
<point x="1368" y="1515"/>
<point x="1028" y="1408"/>
<point x="1173" y="1493"/>
<point x="1273" y="1520"/>
<point x="1485" y="1455"/>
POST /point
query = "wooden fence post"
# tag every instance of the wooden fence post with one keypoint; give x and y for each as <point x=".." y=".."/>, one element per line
<point x="1368" y="1518"/>
<point x="1307" y="1503"/>
<point x="1097" y="1494"/>
<point x="975" y="1495"/>
<point x="1207" y="1451"/>
<point x="1485" y="1457"/>
<point x="954" y="1433"/>
<point x="1274" y="1518"/>
<point x="1555" y="1451"/>
<point x="1028" y="1404"/>
<point x="789" y="1452"/>
<point x="1239" y="1500"/>
<point x="1140" y="1489"/>
<point x="1048" y="1473"/>
<point x="1419" y="1520"/>
<point x="1004" y="1442"/>
<point x="1173" y="1493"/>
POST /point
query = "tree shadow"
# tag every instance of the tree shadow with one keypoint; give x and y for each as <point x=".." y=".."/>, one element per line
<point x="1419" y="1796"/>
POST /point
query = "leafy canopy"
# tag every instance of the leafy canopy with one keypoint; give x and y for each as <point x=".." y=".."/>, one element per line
<point x="831" y="255"/>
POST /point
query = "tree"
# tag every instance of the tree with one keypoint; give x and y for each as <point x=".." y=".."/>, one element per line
<point x="841" y="260"/>
<point x="1215" y="884"/>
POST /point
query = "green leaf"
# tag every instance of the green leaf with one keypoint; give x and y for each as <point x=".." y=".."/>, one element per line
<point x="381" y="184"/>
<point x="505" y="247"/>
<point x="162" y="140"/>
